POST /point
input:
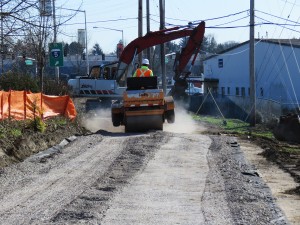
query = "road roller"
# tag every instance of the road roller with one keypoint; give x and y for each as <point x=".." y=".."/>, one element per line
<point x="143" y="107"/>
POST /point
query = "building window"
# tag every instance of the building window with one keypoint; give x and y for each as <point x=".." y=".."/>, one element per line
<point x="223" y="91"/>
<point x="243" y="91"/>
<point x="261" y="92"/>
<point x="237" y="91"/>
<point x="228" y="90"/>
<point x="215" y="90"/>
<point x="220" y="63"/>
<point x="249" y="91"/>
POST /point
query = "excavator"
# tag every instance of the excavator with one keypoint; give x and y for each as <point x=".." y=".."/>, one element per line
<point x="144" y="106"/>
<point x="108" y="80"/>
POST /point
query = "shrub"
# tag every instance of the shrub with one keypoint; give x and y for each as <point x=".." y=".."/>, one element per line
<point x="18" y="82"/>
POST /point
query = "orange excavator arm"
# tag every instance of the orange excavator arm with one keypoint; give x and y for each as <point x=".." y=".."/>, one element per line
<point x="160" y="37"/>
<point x="192" y="48"/>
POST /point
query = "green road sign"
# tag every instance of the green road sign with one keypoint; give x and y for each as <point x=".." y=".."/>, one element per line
<point x="28" y="62"/>
<point x="56" y="54"/>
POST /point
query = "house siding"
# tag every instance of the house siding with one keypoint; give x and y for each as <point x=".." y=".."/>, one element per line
<point x="277" y="69"/>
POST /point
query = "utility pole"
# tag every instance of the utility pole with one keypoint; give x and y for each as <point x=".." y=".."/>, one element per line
<point x="3" y="47"/>
<point x="140" y="26"/>
<point x="252" y="67"/>
<point x="162" y="46"/>
<point x="55" y="38"/>
<point x="2" y="43"/>
<point x="86" y="45"/>
<point x="148" y="24"/>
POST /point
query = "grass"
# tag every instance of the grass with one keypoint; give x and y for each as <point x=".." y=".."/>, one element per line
<point x="16" y="132"/>
<point x="14" y="129"/>
<point x="292" y="150"/>
<point x="241" y="128"/>
<point x="235" y="126"/>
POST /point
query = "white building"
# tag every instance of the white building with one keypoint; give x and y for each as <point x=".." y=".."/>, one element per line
<point x="277" y="71"/>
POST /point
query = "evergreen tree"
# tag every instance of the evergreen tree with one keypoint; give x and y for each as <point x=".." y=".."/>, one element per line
<point x="75" y="48"/>
<point x="97" y="50"/>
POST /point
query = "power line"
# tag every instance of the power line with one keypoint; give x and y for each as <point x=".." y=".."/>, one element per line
<point x="278" y="24"/>
<point x="222" y="17"/>
<point x="278" y="17"/>
<point x="290" y="2"/>
<point x="103" y="21"/>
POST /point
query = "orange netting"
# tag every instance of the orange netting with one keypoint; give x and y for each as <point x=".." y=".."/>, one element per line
<point x="21" y="105"/>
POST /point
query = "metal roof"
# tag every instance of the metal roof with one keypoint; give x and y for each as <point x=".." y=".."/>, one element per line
<point x="287" y="42"/>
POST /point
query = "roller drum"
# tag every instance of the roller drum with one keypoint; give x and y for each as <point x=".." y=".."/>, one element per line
<point x="144" y="123"/>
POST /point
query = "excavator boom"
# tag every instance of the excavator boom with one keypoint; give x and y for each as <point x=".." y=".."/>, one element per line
<point x="192" y="48"/>
<point x="159" y="37"/>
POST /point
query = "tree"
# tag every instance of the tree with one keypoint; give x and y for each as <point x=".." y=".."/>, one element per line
<point x="66" y="49"/>
<point x="75" y="48"/>
<point x="172" y="47"/>
<point x="97" y="50"/>
<point x="226" y="45"/>
<point x="14" y="15"/>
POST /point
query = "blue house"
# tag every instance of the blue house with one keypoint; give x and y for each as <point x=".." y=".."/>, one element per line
<point x="277" y="73"/>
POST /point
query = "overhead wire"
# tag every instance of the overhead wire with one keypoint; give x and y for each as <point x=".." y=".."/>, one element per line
<point x="284" y="59"/>
<point x="290" y="79"/>
<point x="292" y="84"/>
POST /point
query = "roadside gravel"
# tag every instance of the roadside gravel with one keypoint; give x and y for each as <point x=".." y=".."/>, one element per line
<point x="201" y="180"/>
<point x="248" y="198"/>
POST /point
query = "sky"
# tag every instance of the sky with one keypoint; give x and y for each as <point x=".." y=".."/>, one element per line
<point x="116" y="17"/>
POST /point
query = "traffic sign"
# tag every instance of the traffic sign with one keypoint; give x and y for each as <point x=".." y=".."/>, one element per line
<point x="28" y="62"/>
<point x="56" y="54"/>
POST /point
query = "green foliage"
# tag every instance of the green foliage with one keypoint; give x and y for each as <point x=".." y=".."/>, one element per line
<point x="52" y="87"/>
<point x="18" y="82"/>
<point x="16" y="132"/>
<point x="66" y="49"/>
<point x="292" y="149"/>
<point x="235" y="126"/>
<point x="172" y="47"/>
<point x="11" y="128"/>
<point x="97" y="50"/>
<point x="38" y="124"/>
<point x="57" y="121"/>
<point x="75" y="48"/>
<point x="2" y="131"/>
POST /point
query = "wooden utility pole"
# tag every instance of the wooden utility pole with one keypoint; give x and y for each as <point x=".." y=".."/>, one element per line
<point x="162" y="46"/>
<point x="2" y="43"/>
<point x="140" y="26"/>
<point x="55" y="38"/>
<point x="148" y="24"/>
<point x="252" y="67"/>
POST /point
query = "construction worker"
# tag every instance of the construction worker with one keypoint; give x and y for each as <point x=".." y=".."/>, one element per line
<point x="144" y="71"/>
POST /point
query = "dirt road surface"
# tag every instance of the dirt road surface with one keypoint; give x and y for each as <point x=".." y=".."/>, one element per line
<point x="159" y="177"/>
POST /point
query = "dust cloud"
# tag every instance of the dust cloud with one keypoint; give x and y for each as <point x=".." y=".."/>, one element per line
<point x="184" y="122"/>
<point x="99" y="120"/>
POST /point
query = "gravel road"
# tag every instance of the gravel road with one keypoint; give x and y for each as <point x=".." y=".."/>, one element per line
<point x="151" y="178"/>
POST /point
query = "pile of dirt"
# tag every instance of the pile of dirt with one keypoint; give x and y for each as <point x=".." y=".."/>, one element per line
<point x="16" y="148"/>
<point x="288" y="128"/>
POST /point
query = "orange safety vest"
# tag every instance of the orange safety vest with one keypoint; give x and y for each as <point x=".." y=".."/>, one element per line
<point x="144" y="71"/>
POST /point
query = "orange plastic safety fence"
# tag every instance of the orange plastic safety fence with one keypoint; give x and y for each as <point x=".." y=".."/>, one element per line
<point x="21" y="105"/>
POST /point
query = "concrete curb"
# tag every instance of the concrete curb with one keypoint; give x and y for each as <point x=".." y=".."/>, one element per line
<point x="50" y="152"/>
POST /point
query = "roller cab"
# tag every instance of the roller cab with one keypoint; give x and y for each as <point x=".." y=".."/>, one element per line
<point x="143" y="107"/>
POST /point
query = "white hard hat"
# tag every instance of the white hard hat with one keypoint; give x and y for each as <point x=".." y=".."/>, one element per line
<point x="145" y="62"/>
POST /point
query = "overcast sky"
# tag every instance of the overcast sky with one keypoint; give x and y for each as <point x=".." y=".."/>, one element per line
<point x="121" y="15"/>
